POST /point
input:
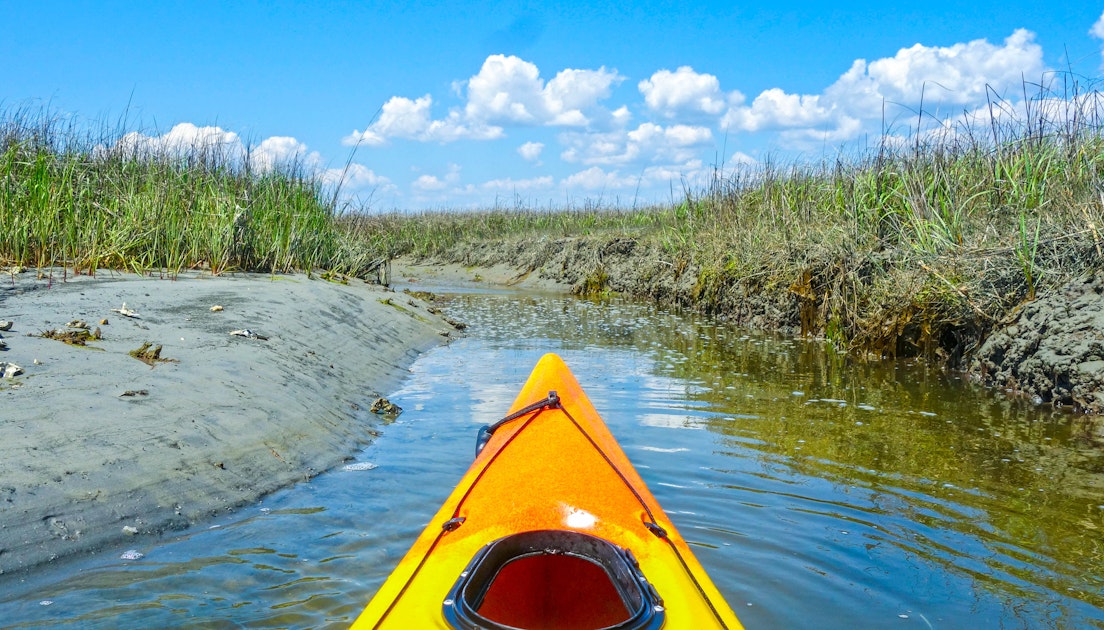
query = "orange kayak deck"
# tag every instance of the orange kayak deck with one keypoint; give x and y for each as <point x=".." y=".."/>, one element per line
<point x="549" y="480"/>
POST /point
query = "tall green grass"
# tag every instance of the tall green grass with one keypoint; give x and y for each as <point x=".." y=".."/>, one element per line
<point x="969" y="186"/>
<point x="949" y="229"/>
<point x="434" y="233"/>
<point x="928" y="234"/>
<point x="75" y="199"/>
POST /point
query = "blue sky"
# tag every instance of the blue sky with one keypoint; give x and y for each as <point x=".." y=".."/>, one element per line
<point x="472" y="104"/>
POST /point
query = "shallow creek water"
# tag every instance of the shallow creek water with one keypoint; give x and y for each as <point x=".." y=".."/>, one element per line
<point x="817" y="491"/>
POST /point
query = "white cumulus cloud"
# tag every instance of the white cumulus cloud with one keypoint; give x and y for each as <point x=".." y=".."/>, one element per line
<point x="843" y="129"/>
<point x="401" y="117"/>
<point x="952" y="77"/>
<point x="595" y="179"/>
<point x="508" y="184"/>
<point x="429" y="183"/>
<point x="184" y="138"/>
<point x="507" y="91"/>
<point x="956" y="75"/>
<point x="686" y="92"/>
<point x="775" y="108"/>
<point x="510" y="91"/>
<point x="531" y="151"/>
<point x="190" y="140"/>
<point x="649" y="142"/>
<point x="674" y="136"/>
<point x="432" y="183"/>
<point x="357" y="176"/>
<point x="186" y="135"/>
<point x="1097" y="31"/>
<point x="279" y="150"/>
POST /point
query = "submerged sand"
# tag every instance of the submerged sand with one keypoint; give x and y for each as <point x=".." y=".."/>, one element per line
<point x="97" y="446"/>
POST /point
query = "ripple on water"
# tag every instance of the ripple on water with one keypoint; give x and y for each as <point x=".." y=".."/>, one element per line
<point x="359" y="466"/>
<point x="914" y="500"/>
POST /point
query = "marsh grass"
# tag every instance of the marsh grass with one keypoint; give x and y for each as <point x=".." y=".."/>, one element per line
<point x="434" y="233"/>
<point x="85" y="201"/>
<point x="917" y="246"/>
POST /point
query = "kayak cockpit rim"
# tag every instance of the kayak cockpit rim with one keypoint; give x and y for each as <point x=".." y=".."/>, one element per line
<point x="553" y="578"/>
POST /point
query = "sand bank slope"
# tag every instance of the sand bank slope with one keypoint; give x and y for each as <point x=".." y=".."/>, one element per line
<point x="96" y="445"/>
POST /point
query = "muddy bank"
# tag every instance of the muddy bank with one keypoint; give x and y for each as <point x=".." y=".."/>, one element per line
<point x="592" y="266"/>
<point x="420" y="273"/>
<point x="1049" y="348"/>
<point x="246" y="384"/>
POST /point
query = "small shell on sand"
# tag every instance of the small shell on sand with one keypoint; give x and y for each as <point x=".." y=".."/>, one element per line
<point x="9" y="370"/>
<point x="6" y="324"/>
<point x="125" y="312"/>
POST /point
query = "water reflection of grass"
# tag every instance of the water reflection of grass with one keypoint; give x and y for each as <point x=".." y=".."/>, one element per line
<point x="987" y="487"/>
<point x="939" y="452"/>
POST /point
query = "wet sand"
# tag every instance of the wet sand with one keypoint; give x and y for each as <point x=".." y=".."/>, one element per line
<point x="98" y="447"/>
<point x="418" y="274"/>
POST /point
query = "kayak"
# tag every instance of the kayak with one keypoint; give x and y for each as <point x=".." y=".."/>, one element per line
<point x="551" y="527"/>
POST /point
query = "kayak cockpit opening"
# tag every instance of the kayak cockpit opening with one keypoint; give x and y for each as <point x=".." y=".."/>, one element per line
<point x="553" y="579"/>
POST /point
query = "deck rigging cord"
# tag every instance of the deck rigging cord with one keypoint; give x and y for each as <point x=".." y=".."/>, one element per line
<point x="552" y="401"/>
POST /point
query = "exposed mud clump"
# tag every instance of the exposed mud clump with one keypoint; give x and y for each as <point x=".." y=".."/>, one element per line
<point x="1053" y="350"/>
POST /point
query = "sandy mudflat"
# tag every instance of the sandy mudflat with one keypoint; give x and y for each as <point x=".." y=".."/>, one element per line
<point x="97" y="446"/>
<point x="434" y="273"/>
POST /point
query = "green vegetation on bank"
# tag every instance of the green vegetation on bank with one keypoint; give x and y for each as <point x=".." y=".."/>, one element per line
<point x="920" y="245"/>
<point x="930" y="239"/>
<point x="72" y="199"/>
